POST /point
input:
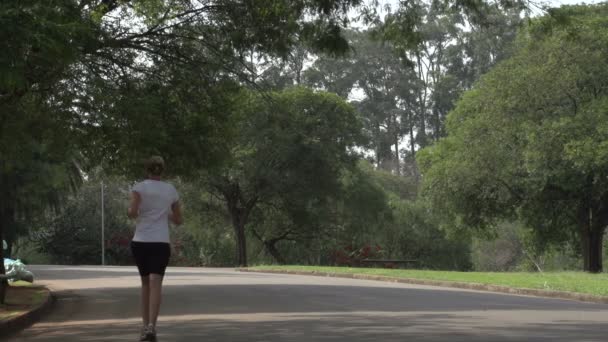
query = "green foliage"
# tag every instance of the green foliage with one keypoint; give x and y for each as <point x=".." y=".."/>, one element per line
<point x="333" y="74"/>
<point x="503" y="250"/>
<point x="91" y="83"/>
<point x="373" y="69"/>
<point x="418" y="237"/>
<point x="91" y="70"/>
<point x="37" y="163"/>
<point x="352" y="215"/>
<point x="206" y="237"/>
<point x="40" y="40"/>
<point x="410" y="69"/>
<point x="380" y="209"/>
<point x="73" y="236"/>
<point x="519" y="143"/>
<point x="289" y="153"/>
<point x="181" y="118"/>
<point x="294" y="142"/>
<point x="362" y="210"/>
<point x="38" y="167"/>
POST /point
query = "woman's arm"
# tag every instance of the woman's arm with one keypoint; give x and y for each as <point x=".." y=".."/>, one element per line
<point x="176" y="214"/>
<point x="133" y="210"/>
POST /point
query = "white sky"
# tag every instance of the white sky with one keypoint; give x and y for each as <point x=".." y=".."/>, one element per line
<point x="551" y="3"/>
<point x="556" y="3"/>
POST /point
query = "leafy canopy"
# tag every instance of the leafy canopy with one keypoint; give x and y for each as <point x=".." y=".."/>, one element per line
<point x="530" y="140"/>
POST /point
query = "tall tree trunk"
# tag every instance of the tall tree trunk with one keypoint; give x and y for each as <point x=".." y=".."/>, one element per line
<point x="238" y="217"/>
<point x="595" y="255"/>
<point x="592" y="242"/>
<point x="592" y="238"/>
<point x="397" y="161"/>
<point x="413" y="171"/>
<point x="378" y="142"/>
<point x="412" y="137"/>
<point x="241" y="244"/>
<point x="5" y="221"/>
<point x="274" y="252"/>
<point x="270" y="246"/>
<point x="239" y="210"/>
<point x="437" y="133"/>
<point x="422" y="98"/>
<point x="396" y="135"/>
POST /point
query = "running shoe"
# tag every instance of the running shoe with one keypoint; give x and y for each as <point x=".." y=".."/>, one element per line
<point x="151" y="333"/>
<point x="144" y="334"/>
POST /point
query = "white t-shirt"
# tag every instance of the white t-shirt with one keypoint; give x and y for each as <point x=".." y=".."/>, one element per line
<point x="152" y="223"/>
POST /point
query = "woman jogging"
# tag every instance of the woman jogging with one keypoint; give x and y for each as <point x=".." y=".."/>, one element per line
<point x="154" y="204"/>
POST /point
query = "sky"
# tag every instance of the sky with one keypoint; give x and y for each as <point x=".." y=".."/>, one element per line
<point x="556" y="3"/>
<point x="552" y="3"/>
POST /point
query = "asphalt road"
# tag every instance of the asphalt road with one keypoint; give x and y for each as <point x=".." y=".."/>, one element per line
<point x="101" y="304"/>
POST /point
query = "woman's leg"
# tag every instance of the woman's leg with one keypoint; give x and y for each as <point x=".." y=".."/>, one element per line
<point x="139" y="251"/>
<point x="156" y="283"/>
<point x="145" y="300"/>
<point x="158" y="265"/>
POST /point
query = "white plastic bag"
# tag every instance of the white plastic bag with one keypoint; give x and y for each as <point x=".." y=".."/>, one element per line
<point x="16" y="270"/>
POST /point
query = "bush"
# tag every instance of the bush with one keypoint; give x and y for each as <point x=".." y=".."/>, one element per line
<point x="73" y="236"/>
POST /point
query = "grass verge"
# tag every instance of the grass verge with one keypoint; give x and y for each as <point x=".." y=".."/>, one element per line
<point x="577" y="282"/>
<point x="21" y="297"/>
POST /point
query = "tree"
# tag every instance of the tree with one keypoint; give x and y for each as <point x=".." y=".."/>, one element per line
<point x="290" y="149"/>
<point x="386" y="83"/>
<point x="372" y="70"/>
<point x="71" y="58"/>
<point x="334" y="74"/>
<point x="39" y="40"/>
<point x="411" y="67"/>
<point x="63" y="54"/>
<point x="452" y="46"/>
<point x="529" y="141"/>
<point x="353" y="214"/>
<point x="73" y="235"/>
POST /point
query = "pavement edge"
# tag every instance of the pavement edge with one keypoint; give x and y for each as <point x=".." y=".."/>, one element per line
<point x="16" y="324"/>
<point x="581" y="297"/>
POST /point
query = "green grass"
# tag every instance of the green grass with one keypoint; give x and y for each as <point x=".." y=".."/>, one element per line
<point x="580" y="282"/>
<point x="21" y="283"/>
<point x="20" y="298"/>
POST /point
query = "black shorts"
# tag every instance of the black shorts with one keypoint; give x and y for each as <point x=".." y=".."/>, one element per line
<point x="151" y="257"/>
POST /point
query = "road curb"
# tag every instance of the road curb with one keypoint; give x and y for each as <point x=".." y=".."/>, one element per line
<point x="26" y="319"/>
<point x="581" y="297"/>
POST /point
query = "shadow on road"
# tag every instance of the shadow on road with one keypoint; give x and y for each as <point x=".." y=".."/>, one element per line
<point x="258" y="298"/>
<point x="423" y="327"/>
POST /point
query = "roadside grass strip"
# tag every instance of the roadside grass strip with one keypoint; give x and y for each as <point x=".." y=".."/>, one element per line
<point x="575" y="282"/>
<point x="21" y="297"/>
